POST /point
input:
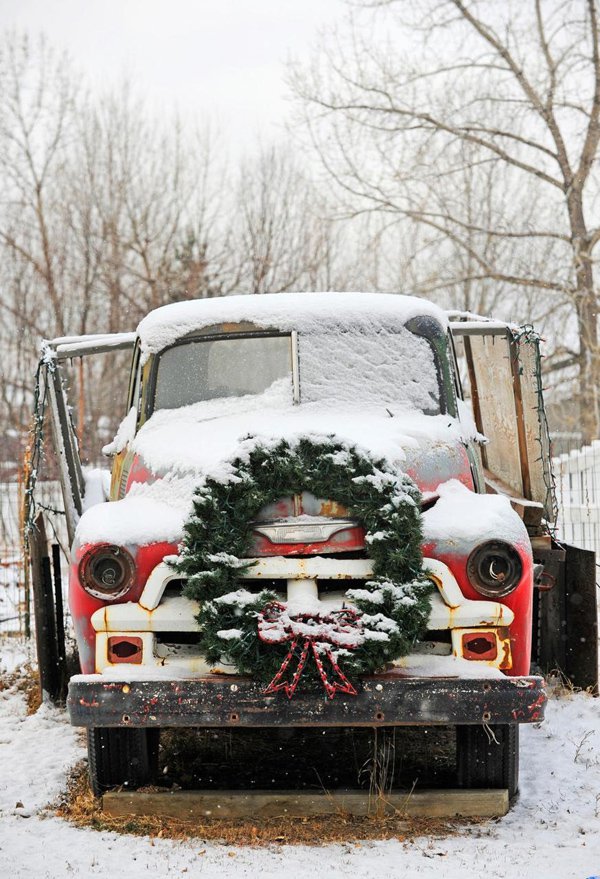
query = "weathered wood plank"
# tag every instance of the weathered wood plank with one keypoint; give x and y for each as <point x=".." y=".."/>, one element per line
<point x="196" y="806"/>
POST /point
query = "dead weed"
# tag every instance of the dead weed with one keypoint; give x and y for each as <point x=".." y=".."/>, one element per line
<point x="79" y="806"/>
<point x="26" y="680"/>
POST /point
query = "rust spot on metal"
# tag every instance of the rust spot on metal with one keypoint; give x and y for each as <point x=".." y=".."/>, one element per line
<point x="506" y="654"/>
<point x="451" y="620"/>
<point x="332" y="509"/>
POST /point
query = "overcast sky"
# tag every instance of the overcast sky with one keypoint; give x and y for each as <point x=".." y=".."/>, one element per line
<point x="224" y="57"/>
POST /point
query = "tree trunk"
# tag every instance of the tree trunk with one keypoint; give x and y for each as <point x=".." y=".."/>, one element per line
<point x="589" y="364"/>
<point x="586" y="306"/>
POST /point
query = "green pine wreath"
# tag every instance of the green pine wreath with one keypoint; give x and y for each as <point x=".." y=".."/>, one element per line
<point x="394" y="606"/>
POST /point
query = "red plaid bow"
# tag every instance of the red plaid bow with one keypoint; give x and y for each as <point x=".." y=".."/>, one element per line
<point x="310" y="632"/>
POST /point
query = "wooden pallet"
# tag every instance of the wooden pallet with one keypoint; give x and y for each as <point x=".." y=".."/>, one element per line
<point x="197" y="805"/>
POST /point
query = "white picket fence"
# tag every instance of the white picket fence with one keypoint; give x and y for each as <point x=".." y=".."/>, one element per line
<point x="577" y="475"/>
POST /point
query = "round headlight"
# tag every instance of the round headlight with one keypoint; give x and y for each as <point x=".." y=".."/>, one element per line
<point x="494" y="568"/>
<point x="106" y="572"/>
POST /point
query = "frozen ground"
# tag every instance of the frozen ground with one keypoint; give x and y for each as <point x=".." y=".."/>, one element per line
<point x="553" y="832"/>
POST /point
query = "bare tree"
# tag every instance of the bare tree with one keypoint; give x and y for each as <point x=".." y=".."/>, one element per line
<point x="439" y="85"/>
<point x="36" y="106"/>
<point x="283" y="234"/>
<point x="107" y="211"/>
<point x="96" y="198"/>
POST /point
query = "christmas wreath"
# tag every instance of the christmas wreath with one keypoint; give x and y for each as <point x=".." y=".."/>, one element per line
<point x="255" y="631"/>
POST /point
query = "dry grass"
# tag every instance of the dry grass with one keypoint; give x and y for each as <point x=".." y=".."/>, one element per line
<point x="79" y="806"/>
<point x="560" y="686"/>
<point x="25" y="680"/>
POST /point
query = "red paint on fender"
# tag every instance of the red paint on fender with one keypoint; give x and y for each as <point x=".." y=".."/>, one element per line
<point x="138" y="472"/>
<point x="520" y="601"/>
<point x="83" y="605"/>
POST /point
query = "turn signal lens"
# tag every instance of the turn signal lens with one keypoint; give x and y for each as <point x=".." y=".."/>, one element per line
<point x="124" y="650"/>
<point x="494" y="568"/>
<point x="479" y="645"/>
<point x="106" y="572"/>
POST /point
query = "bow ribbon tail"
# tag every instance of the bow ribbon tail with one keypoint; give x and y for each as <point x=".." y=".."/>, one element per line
<point x="289" y="687"/>
<point x="340" y="683"/>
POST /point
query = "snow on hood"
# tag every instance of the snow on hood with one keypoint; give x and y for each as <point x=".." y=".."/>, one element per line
<point x="304" y="312"/>
<point x="182" y="447"/>
<point x="187" y="444"/>
<point x="462" y="517"/>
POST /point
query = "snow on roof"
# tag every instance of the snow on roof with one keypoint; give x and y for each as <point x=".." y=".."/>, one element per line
<point x="305" y="312"/>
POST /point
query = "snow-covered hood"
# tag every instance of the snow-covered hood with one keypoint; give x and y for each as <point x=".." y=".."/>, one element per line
<point x="179" y="449"/>
<point x="198" y="443"/>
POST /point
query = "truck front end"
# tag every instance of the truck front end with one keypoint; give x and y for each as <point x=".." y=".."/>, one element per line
<point x="299" y="536"/>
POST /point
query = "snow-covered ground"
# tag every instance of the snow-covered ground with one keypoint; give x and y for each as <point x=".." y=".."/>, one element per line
<point x="553" y="832"/>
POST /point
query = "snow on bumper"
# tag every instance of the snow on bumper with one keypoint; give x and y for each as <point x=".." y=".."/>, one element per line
<point x="392" y="699"/>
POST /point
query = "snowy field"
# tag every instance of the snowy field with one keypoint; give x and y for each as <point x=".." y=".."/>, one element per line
<point x="553" y="832"/>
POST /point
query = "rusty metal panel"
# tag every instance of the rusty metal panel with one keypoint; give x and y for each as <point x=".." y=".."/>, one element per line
<point x="565" y="614"/>
<point x="383" y="700"/>
<point x="492" y="370"/>
<point x="581" y="644"/>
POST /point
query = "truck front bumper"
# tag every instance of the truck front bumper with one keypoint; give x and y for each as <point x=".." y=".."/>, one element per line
<point x="227" y="701"/>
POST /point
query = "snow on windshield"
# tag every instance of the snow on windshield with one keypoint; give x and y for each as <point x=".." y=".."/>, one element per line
<point x="390" y="369"/>
<point x="395" y="370"/>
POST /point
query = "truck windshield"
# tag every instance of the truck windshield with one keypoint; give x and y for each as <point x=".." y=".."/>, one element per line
<point x="212" y="369"/>
<point x="395" y="370"/>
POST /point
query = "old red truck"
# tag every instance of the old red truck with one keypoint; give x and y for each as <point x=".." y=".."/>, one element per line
<point x="239" y="573"/>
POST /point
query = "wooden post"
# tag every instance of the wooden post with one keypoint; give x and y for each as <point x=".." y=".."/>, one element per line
<point x="44" y="613"/>
<point x="60" y="624"/>
<point x="24" y="502"/>
<point x="581" y="619"/>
